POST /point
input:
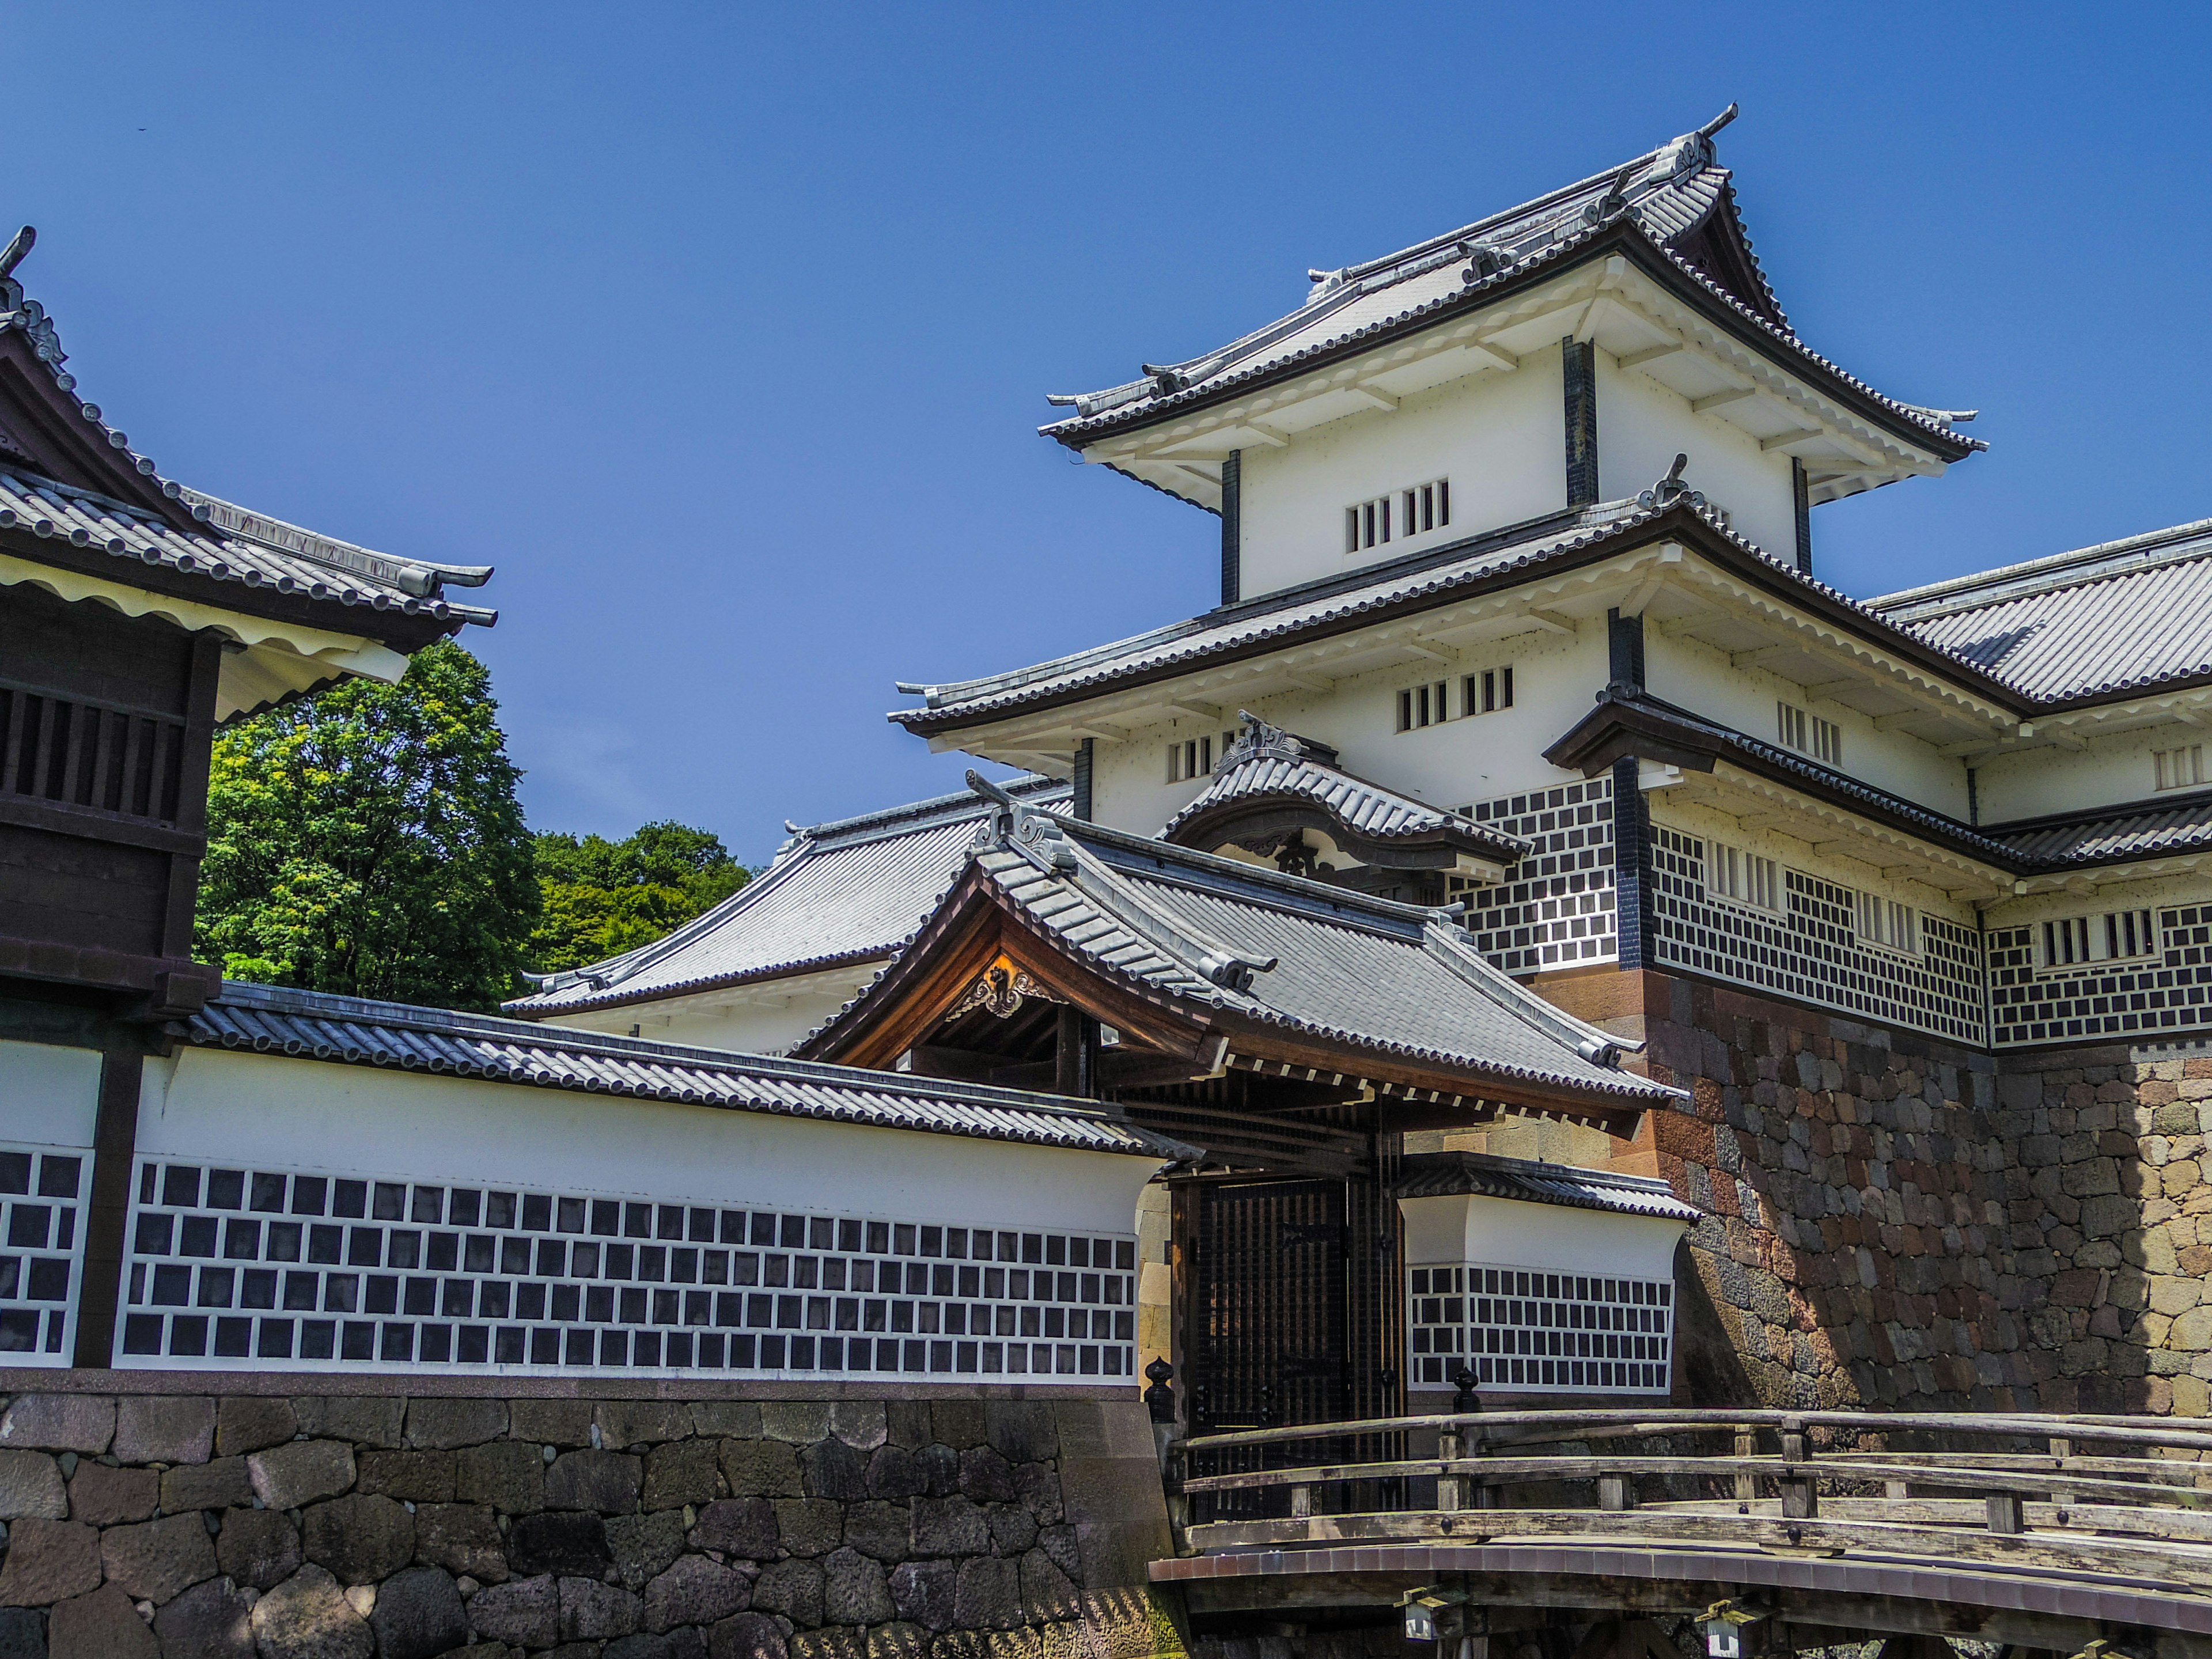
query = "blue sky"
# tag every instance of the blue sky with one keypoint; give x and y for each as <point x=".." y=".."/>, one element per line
<point x="724" y="331"/>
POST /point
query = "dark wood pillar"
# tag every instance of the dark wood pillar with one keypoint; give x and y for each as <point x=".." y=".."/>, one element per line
<point x="1632" y="865"/>
<point x="1086" y="754"/>
<point x="1232" y="527"/>
<point x="114" y="1151"/>
<point x="1624" y="650"/>
<point x="1578" y="365"/>
<point x="1074" y="1062"/>
<point x="1800" y="490"/>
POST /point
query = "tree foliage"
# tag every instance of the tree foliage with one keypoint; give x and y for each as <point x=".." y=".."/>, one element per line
<point x="367" y="841"/>
<point x="603" y="897"/>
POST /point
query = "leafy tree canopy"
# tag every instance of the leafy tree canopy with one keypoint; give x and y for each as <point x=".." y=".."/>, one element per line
<point x="367" y="841"/>
<point x="603" y="897"/>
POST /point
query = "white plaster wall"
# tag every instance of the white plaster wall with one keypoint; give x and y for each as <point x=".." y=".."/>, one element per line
<point x="2033" y="909"/>
<point x="2030" y="782"/>
<point x="1700" y="678"/>
<point x="1643" y="425"/>
<point x="1504" y="1232"/>
<point x="49" y="1097"/>
<point x="1555" y="678"/>
<point x="1499" y="437"/>
<point x="215" y="1105"/>
<point x="773" y="1021"/>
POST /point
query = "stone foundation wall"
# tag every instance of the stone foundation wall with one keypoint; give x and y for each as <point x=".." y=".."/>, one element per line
<point x="1895" y="1220"/>
<point x="239" y="1522"/>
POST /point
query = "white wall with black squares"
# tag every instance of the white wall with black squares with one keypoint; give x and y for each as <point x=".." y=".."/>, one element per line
<point x="1009" y="1261"/>
<point x="49" y="1101"/>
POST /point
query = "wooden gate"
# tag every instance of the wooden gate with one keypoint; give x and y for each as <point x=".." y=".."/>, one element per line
<point x="1267" y="1333"/>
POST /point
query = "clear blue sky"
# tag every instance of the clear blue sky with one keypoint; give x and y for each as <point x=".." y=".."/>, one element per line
<point x="723" y="332"/>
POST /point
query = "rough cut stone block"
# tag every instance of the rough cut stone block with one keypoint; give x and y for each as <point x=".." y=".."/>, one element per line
<point x="1048" y="1594"/>
<point x="155" y="1561"/>
<point x="694" y="1591"/>
<point x="882" y="1531"/>
<point x="627" y="1423"/>
<point x="940" y="1469"/>
<point x="922" y="1591"/>
<point x="602" y="1481"/>
<point x="412" y="1477"/>
<point x="906" y="1423"/>
<point x="645" y="1545"/>
<point x="22" y="1633"/>
<point x="59" y="1422"/>
<point x="31" y="1487"/>
<point x="1013" y="1528"/>
<point x="897" y="1641"/>
<point x="855" y="1590"/>
<point x="798" y="1422"/>
<point x="212" y="1620"/>
<point x="733" y="1419"/>
<point x="526" y="1612"/>
<point x="747" y="1635"/>
<point x="896" y="1472"/>
<point x="792" y="1589"/>
<point x="950" y="1526"/>
<point x="683" y="1471"/>
<point x="810" y="1525"/>
<point x="463" y="1539"/>
<point x="508" y="1474"/>
<point x="835" y="1470"/>
<point x="558" y="1543"/>
<point x="245" y="1423"/>
<point x="827" y="1644"/>
<point x="959" y="1424"/>
<point x="1021" y="1431"/>
<point x="360" y="1539"/>
<point x="366" y="1420"/>
<point x="860" y="1424"/>
<point x="49" y="1561"/>
<point x="213" y="1486"/>
<point x="418" y="1615"/>
<point x="164" y="1428"/>
<point x="738" y="1526"/>
<point x="551" y="1422"/>
<point x="101" y="1626"/>
<point x="259" y="1547"/>
<point x="1037" y="1486"/>
<point x="988" y="1595"/>
<point x="299" y="1472"/>
<point x="592" y="1612"/>
<point x="309" y="1617"/>
<point x="987" y="1477"/>
<point x="446" y="1425"/>
<point x="760" y="1468"/>
<point x="102" y="1496"/>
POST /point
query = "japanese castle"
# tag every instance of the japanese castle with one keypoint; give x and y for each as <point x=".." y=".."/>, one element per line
<point x="1532" y="930"/>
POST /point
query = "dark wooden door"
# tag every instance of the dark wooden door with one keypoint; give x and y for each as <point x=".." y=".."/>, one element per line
<point x="1269" y="1336"/>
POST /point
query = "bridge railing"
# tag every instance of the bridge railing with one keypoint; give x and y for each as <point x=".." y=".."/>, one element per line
<point x="2056" y="1492"/>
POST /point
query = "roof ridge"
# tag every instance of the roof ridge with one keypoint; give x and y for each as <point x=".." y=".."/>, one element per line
<point x="1290" y="892"/>
<point x="1547" y="1167"/>
<point x="455" y="1022"/>
<point x="922" y="814"/>
<point x="1450" y="944"/>
<point x="2030" y="573"/>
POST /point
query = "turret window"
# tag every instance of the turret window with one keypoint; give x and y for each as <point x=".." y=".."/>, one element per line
<point x="1809" y="734"/>
<point x="1425" y="705"/>
<point x="1885" y="922"/>
<point x="2179" y="768"/>
<point x="1412" y="512"/>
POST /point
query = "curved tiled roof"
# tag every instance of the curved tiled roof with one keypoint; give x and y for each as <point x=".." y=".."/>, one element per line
<point x="2104" y="621"/>
<point x="1300" y="955"/>
<point x="1265" y="764"/>
<point x="1674" y="200"/>
<point x="307" y="1025"/>
<point x="1450" y="1175"/>
<point x="2143" y="829"/>
<point x="838" y="893"/>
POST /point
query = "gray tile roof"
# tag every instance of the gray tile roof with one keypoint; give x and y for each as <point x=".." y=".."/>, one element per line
<point x="1675" y="199"/>
<point x="308" y="1025"/>
<point x="1283" y="952"/>
<point x="2141" y="830"/>
<point x="1267" y="764"/>
<point x="1451" y="1175"/>
<point x="2121" y="617"/>
<point x="234" y="544"/>
<point x="843" y="892"/>
<point x="1494" y="559"/>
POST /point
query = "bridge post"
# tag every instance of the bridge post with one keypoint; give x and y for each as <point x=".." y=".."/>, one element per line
<point x="1616" y="1492"/>
<point x="1451" y="1489"/>
<point x="1746" y="1446"/>
<point x="2061" y="1448"/>
<point x="2003" y="1510"/>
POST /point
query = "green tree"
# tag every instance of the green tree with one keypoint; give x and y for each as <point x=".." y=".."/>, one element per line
<point x="367" y="841"/>
<point x="603" y="897"/>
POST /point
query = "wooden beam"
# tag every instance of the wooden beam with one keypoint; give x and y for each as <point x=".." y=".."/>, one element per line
<point x="1556" y="621"/>
<point x="1652" y="353"/>
<point x="1381" y="400"/>
<point x="1759" y="656"/>
<point x="1722" y="400"/>
<point x="1784" y="439"/>
<point x="1266" y="434"/>
<point x="1192" y="706"/>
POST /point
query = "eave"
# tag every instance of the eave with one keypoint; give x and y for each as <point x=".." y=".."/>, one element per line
<point x="1642" y="303"/>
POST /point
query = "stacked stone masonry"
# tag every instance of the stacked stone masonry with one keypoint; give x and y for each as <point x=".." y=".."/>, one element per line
<point x="384" y="1526"/>
<point x="1895" y="1220"/>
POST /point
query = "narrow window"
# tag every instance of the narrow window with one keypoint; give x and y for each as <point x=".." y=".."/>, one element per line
<point x="1505" y="686"/>
<point x="1407" y="512"/>
<point x="1827" y="742"/>
<point x="1444" y="502"/>
<point x="2179" y="768"/>
<point x="1351" y="530"/>
<point x="1370" y="511"/>
<point x="1405" y="711"/>
<point x="1385" y="505"/>
<point x="1789" y="722"/>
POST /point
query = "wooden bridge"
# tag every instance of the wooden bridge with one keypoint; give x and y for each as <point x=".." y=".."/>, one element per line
<point x="1777" y="1530"/>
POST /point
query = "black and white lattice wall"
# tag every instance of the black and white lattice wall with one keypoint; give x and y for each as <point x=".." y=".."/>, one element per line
<point x="1555" y="908"/>
<point x="1528" y="1331"/>
<point x="235" y="1267"/>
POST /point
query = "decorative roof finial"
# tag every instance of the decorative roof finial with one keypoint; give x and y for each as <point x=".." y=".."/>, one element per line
<point x="1614" y="201"/>
<point x="1719" y="121"/>
<point x="20" y="245"/>
<point x="1671" y="489"/>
